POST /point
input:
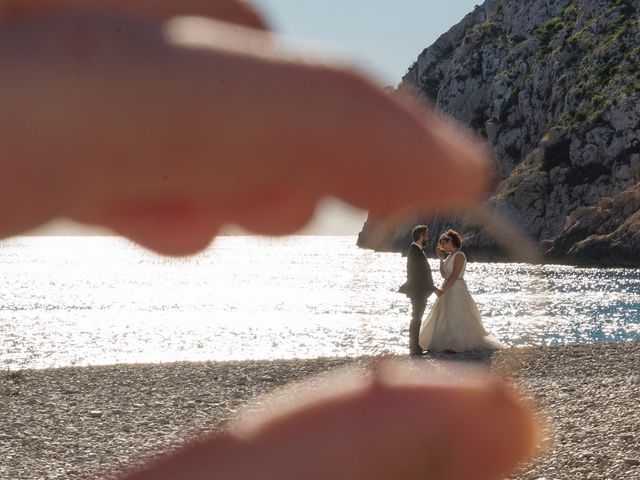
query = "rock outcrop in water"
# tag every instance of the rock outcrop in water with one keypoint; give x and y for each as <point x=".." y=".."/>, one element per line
<point x="554" y="87"/>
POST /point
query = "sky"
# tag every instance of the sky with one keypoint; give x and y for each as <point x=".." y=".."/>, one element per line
<point x="386" y="36"/>
<point x="382" y="38"/>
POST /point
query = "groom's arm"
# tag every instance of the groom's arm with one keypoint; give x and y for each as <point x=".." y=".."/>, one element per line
<point x="413" y="267"/>
<point x="410" y="265"/>
<point x="430" y="286"/>
<point x="419" y="272"/>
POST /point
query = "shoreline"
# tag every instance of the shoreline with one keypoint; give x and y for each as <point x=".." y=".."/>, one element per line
<point x="86" y="422"/>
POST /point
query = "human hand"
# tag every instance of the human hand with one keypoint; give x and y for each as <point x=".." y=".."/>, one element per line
<point x="115" y="113"/>
<point x="439" y="292"/>
<point x="397" y="421"/>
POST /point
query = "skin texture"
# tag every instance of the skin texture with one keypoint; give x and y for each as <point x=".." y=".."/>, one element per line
<point x="117" y="113"/>
<point x="187" y="134"/>
<point x="395" y="421"/>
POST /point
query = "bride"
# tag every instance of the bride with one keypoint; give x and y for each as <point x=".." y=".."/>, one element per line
<point x="454" y="323"/>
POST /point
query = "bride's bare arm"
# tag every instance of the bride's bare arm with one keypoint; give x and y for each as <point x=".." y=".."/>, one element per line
<point x="440" y="254"/>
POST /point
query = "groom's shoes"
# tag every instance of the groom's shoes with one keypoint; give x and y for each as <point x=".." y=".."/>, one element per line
<point x="416" y="352"/>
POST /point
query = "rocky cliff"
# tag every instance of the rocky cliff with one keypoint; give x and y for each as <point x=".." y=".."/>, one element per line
<point x="554" y="87"/>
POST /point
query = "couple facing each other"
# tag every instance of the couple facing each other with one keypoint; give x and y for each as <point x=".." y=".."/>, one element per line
<point x="454" y="323"/>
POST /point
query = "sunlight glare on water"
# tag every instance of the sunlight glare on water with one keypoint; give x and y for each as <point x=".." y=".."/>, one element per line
<point x="100" y="300"/>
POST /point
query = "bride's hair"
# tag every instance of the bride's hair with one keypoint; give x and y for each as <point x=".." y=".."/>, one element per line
<point x="456" y="238"/>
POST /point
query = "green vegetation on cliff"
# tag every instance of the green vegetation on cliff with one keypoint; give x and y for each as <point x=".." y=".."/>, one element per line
<point x="554" y="87"/>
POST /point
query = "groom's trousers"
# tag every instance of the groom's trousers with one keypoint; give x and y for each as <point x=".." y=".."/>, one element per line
<point x="418" y="305"/>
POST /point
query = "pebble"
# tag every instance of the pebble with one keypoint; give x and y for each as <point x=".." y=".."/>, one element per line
<point x="584" y="392"/>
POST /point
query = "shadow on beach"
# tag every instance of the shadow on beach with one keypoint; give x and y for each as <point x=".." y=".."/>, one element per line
<point x="480" y="356"/>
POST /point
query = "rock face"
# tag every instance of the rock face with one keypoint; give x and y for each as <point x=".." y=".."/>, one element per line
<point x="554" y="87"/>
<point x="608" y="233"/>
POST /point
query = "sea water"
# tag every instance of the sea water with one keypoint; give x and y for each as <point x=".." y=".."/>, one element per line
<point x="102" y="300"/>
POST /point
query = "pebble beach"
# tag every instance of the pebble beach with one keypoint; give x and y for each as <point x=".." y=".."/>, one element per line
<point x="93" y="422"/>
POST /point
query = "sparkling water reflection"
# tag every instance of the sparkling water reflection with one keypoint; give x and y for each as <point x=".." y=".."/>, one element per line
<point x="99" y="300"/>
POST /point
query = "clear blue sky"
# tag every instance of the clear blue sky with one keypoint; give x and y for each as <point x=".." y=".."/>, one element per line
<point x="384" y="35"/>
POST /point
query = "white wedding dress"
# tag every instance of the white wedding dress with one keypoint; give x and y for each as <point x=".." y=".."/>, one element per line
<point x="454" y="322"/>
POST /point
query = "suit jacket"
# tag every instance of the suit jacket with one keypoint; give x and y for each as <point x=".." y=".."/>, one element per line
<point x="419" y="280"/>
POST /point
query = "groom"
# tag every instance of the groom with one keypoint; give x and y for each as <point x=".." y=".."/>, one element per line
<point x="419" y="284"/>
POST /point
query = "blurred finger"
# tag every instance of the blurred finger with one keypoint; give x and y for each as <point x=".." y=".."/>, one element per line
<point x="393" y="424"/>
<point x="233" y="11"/>
<point x="206" y="116"/>
<point x="173" y="229"/>
<point x="184" y="228"/>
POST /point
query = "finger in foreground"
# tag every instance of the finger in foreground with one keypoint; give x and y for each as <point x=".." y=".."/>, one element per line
<point x="394" y="423"/>
<point x="105" y="117"/>
<point x="233" y="11"/>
